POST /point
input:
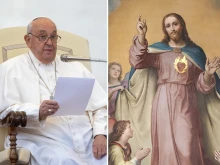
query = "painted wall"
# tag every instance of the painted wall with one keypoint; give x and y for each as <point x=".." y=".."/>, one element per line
<point x="84" y="18"/>
<point x="201" y="17"/>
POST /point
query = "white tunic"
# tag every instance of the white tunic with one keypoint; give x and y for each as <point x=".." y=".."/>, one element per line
<point x="63" y="140"/>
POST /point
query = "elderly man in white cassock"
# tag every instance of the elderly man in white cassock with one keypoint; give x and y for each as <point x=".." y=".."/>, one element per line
<point x="27" y="84"/>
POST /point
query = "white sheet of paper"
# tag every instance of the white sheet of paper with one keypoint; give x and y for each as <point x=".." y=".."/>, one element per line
<point x="72" y="95"/>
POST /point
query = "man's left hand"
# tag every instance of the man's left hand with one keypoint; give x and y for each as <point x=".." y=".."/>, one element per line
<point x="212" y="66"/>
<point x="99" y="146"/>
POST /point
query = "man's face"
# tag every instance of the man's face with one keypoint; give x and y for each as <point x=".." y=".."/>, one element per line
<point x="173" y="28"/>
<point x="115" y="71"/>
<point x="43" y="51"/>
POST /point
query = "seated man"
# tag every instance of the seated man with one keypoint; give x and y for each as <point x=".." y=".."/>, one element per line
<point x="27" y="84"/>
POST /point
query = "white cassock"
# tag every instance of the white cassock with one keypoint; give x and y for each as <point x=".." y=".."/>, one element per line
<point x="62" y="140"/>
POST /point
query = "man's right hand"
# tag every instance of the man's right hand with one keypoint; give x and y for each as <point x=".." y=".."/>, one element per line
<point x="48" y="107"/>
<point x="141" y="26"/>
<point x="142" y="30"/>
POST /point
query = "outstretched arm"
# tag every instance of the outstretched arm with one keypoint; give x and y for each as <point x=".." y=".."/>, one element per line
<point x="206" y="80"/>
<point x="116" y="156"/>
<point x="139" y="57"/>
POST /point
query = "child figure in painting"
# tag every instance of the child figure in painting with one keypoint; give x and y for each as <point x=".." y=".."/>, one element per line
<point x="119" y="148"/>
<point x="114" y="86"/>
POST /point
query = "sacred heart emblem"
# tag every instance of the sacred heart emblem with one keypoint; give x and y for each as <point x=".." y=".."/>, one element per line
<point x="181" y="64"/>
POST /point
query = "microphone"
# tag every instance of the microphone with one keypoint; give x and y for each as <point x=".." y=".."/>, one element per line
<point x="69" y="58"/>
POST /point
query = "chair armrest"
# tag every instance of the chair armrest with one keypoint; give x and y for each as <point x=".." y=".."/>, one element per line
<point x="12" y="121"/>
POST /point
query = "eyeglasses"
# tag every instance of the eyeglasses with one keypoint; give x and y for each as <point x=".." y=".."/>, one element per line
<point x="44" y="37"/>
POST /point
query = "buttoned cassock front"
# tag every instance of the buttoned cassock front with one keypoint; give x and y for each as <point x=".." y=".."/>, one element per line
<point x="55" y="140"/>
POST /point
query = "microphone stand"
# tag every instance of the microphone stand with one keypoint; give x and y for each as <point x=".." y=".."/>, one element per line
<point x="65" y="58"/>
